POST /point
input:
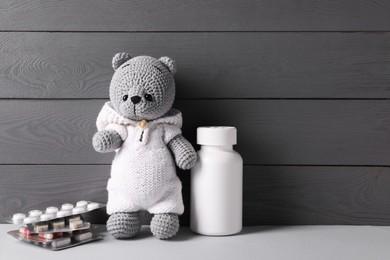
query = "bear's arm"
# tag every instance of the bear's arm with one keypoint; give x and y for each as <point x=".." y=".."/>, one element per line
<point x="184" y="153"/>
<point x="106" y="141"/>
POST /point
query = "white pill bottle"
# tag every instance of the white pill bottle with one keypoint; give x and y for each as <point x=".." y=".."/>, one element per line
<point x="216" y="183"/>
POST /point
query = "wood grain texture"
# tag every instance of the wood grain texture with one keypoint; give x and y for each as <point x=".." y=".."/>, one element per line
<point x="293" y="132"/>
<point x="23" y="188"/>
<point x="192" y="15"/>
<point x="210" y="65"/>
<point x="252" y="64"/>
<point x="273" y="195"/>
<point x="316" y="195"/>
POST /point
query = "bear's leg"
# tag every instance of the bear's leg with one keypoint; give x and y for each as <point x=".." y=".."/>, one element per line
<point x="124" y="224"/>
<point x="164" y="226"/>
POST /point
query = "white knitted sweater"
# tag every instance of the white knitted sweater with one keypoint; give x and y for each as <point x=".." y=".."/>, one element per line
<point x="143" y="172"/>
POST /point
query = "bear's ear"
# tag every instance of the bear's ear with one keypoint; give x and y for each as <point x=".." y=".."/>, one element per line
<point x="169" y="63"/>
<point x="119" y="59"/>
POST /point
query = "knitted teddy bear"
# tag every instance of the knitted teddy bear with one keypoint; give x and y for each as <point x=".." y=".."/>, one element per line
<point x="140" y="125"/>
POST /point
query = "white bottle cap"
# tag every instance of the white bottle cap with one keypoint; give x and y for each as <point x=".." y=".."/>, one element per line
<point x="216" y="135"/>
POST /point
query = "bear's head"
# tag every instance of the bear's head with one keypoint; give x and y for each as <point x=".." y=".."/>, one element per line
<point x="142" y="88"/>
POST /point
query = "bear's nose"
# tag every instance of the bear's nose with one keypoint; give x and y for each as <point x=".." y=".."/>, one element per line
<point x="135" y="99"/>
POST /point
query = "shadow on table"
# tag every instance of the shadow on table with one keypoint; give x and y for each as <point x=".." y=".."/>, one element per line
<point x="259" y="229"/>
<point x="183" y="234"/>
<point x="186" y="234"/>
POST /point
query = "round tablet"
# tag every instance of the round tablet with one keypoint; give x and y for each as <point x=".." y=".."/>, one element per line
<point x="63" y="213"/>
<point x="92" y="205"/>
<point x="78" y="210"/>
<point x="18" y="218"/>
<point x="67" y="206"/>
<point x="34" y="213"/>
<point x="35" y="219"/>
<point x="51" y="210"/>
<point x="47" y="216"/>
<point x="28" y="220"/>
<point x="81" y="203"/>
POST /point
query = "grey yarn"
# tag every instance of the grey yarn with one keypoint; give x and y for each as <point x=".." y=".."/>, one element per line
<point x="171" y="65"/>
<point x="124" y="225"/>
<point x="146" y="217"/>
<point x="185" y="155"/>
<point x="164" y="226"/>
<point x="142" y="90"/>
<point x="106" y="141"/>
<point x="119" y="59"/>
<point x="141" y="76"/>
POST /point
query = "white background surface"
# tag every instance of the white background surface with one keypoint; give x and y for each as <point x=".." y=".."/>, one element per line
<point x="281" y="242"/>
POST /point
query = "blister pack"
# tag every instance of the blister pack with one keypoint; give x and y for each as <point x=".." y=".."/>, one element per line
<point x="56" y="228"/>
<point x="51" y="213"/>
<point x="56" y="241"/>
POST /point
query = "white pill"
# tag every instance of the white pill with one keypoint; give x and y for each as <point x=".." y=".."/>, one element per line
<point x="36" y="219"/>
<point x="47" y="216"/>
<point x="73" y="218"/>
<point x="76" y="224"/>
<point x="81" y="203"/>
<point x="41" y="227"/>
<point x="48" y="235"/>
<point x="35" y="213"/>
<point x="62" y="213"/>
<point x="67" y="206"/>
<point x="51" y="210"/>
<point x="78" y="210"/>
<point x="92" y="206"/>
<point x="58" y="224"/>
<point x="60" y="242"/>
<point x="83" y="236"/>
<point x="17" y="218"/>
<point x="29" y="220"/>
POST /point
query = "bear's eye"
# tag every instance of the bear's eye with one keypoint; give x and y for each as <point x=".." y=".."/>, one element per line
<point x="125" y="97"/>
<point x="148" y="97"/>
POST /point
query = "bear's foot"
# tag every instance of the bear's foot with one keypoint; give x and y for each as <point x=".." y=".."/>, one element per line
<point x="124" y="225"/>
<point x="164" y="226"/>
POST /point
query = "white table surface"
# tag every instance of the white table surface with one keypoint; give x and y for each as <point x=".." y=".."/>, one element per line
<point x="262" y="242"/>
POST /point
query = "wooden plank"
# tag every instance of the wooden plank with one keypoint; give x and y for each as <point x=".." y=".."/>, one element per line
<point x="293" y="132"/>
<point x="191" y="15"/>
<point x="23" y="188"/>
<point x="317" y="195"/>
<point x="273" y="195"/>
<point x="210" y="65"/>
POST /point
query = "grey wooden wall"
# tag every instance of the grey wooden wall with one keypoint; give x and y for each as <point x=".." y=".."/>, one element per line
<point x="307" y="84"/>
